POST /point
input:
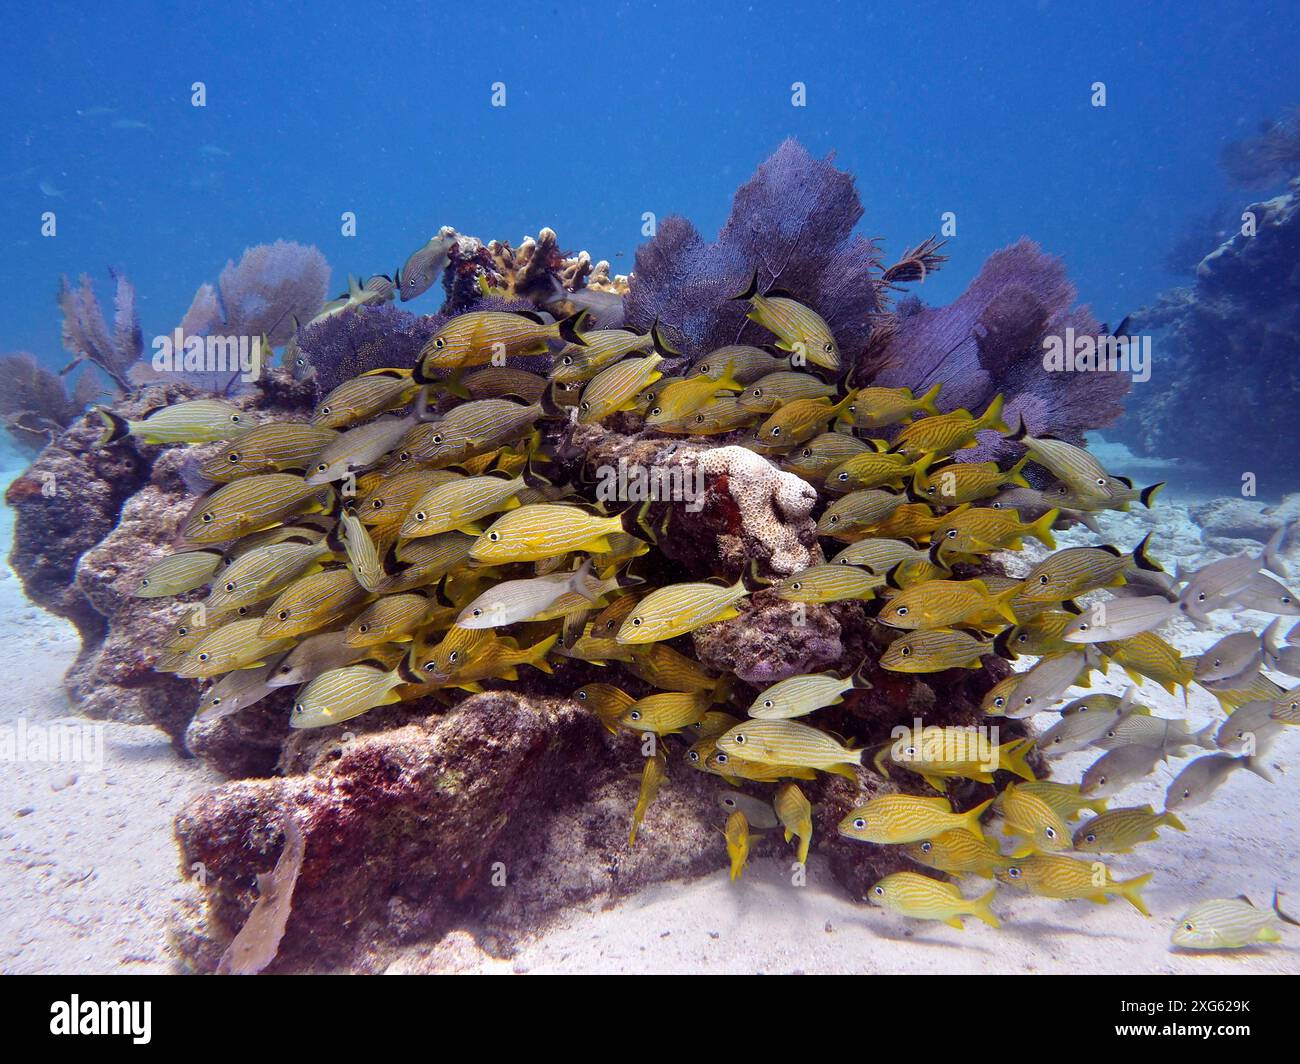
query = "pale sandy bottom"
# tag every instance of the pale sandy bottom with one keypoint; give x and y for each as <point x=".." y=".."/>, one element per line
<point x="88" y="861"/>
<point x="90" y="871"/>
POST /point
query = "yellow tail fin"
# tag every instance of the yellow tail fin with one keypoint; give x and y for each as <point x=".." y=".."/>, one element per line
<point x="972" y="817"/>
<point x="992" y="417"/>
<point x="1131" y="889"/>
<point x="981" y="911"/>
<point x="927" y="400"/>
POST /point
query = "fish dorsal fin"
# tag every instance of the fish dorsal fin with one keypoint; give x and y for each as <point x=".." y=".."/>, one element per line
<point x="1110" y="549"/>
<point x="1242" y="897"/>
<point x="780" y="293"/>
<point x="532" y="316"/>
<point x="1070" y="606"/>
<point x="1126" y="481"/>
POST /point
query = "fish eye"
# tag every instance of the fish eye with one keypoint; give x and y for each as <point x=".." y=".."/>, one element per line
<point x="729" y="802"/>
<point x="635" y="714"/>
<point x="581" y="696"/>
<point x="1218" y="662"/>
<point x="636" y="622"/>
<point x="1200" y="597"/>
<point x="930" y="490"/>
<point x="1084" y="626"/>
<point x="655" y="412"/>
<point x="477" y="613"/>
<point x="494" y="536"/>
<point x="182" y="630"/>
<point x="807" y="452"/>
<point x="902" y="611"/>
<point x="436" y="437"/>
<point x="905" y="652"/>
<point x="207" y="519"/>
<point x="951" y="533"/>
<point x="567" y="360"/>
<point x="321" y="468"/>
<point x="300" y="362"/>
<point x="1050" y="832"/>
<point x="1013" y="873"/>
<point x="1023" y="637"/>
<point x="283" y="615"/>
<point x="230" y="586"/>
<point x="1101" y="482"/>
<point x="796" y="585"/>
<point x="204" y="656"/>
<point x="1090" y="837"/>
<point x="699" y="419"/>
<point x="693" y="755"/>
<point x="298" y="707"/>
<point x="722" y="759"/>
<point x="454" y="657"/>
<point x="586" y="406"/>
<point x="377" y="504"/>
<point x="1189" y="926"/>
<point x="233" y="457"/>
<point x="235" y="419"/>
<point x="879" y="891"/>
<point x="860" y="823"/>
<point x="144" y="582"/>
<point x="776" y="431"/>
<point x="215" y="702"/>
<point x="430" y="666"/>
<point x="403" y="456"/>
<point x="999" y="701"/>
<point x="927" y="846"/>
<point x="843" y="478"/>
<point x="439" y="342"/>
<point x="834" y="518"/>
<point x="421" y="516"/>
<point x="828" y="347"/>
<point x="1043" y="579"/>
<point x="1101" y="779"/>
<point x="740" y="740"/>
<point x="1186" y="793"/>
<point x="363" y="628"/>
<point x="910" y="751"/>
<point x="768" y="703"/>
<point x="1029" y="700"/>
<point x="758" y="393"/>
<point x="326" y="410"/>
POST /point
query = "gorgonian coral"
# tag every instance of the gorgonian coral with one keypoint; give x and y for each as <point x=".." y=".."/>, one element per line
<point x="86" y="334"/>
<point x="271" y="285"/>
<point x="35" y="404"/>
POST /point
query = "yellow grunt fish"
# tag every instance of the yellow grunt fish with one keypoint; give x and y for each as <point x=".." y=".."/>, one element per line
<point x="799" y="329"/>
<point x="923" y="898"/>
<point x="795" y="813"/>
<point x="1053" y="875"/>
<point x="897" y="818"/>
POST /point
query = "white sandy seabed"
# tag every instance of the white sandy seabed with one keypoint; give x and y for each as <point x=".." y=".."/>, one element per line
<point x="90" y="867"/>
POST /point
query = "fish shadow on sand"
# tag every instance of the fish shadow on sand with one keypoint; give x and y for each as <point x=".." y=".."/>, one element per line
<point x="1038" y="930"/>
<point x="885" y="927"/>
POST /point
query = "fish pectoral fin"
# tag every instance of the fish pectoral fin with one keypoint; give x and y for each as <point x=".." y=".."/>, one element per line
<point x="955" y="921"/>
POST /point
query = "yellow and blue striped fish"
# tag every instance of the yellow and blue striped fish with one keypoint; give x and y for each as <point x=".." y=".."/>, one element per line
<point x="267" y="449"/>
<point x="897" y="818"/>
<point x="178" y="573"/>
<point x="828" y="583"/>
<point x="363" y="397"/>
<point x="250" y="504"/>
<point x="482" y="336"/>
<point x="235" y="645"/>
<point x="798" y="696"/>
<point x="680" y="608"/>
<point x="616" y="387"/>
<point x="544" y="530"/>
<point x="787" y="742"/>
<point x="922" y="898"/>
<point x="799" y="329"/>
<point x="312" y="603"/>
<point x="194" y="421"/>
<point x="344" y="693"/>
<point x="1229" y="923"/>
<point x="795" y="812"/>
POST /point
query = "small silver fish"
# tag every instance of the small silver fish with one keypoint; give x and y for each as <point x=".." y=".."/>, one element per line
<point x="1201" y="778"/>
<point x="1115" y="770"/>
<point x="426" y="266"/>
<point x="1116" y="619"/>
<point x="1238" y="655"/>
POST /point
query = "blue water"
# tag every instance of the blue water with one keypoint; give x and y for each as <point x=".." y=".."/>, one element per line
<point x="385" y="110"/>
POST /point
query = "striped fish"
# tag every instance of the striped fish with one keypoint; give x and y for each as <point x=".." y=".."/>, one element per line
<point x="714" y="418"/>
<point x="948" y="604"/>
<point x="981" y="529"/>
<point x="1119" y="830"/>
<point x="1028" y="815"/>
<point x="898" y="818"/>
<point x="393" y="618"/>
<point x="312" y="603"/>
<point x="1054" y="875"/>
<point x="768" y="394"/>
<point x="958" y="852"/>
<point x="735" y="769"/>
<point x="235" y="691"/>
<point x="923" y="898"/>
<point x="498" y="382"/>
<point x="267" y="449"/>
<point x="251" y="504"/>
<point x="460" y="505"/>
<point x="262" y="574"/>
<point x="543" y="530"/>
<point x="876" y="408"/>
<point x="682" y="398"/>
<point x="602" y="347"/>
<point x="424" y="561"/>
<point x="345" y="693"/>
<point x="359" y="448"/>
<point x="652" y="778"/>
<point x="938" y="754"/>
<point x="1039" y="636"/>
<point x="787" y="742"/>
<point x="384" y="505"/>
<point x="323" y="651"/>
<point x="680" y="608"/>
<point x="879" y="555"/>
<point x="1065" y="798"/>
<point x="234" y="645"/>
<point x="1077" y="570"/>
<point x="363" y="397"/>
<point x="817" y="458"/>
<point x="616" y="387"/>
<point x="178" y="573"/>
<point x="736" y="833"/>
<point x="855" y="513"/>
<point x="799" y="329"/>
<point x="1141" y="729"/>
<point x="470" y="429"/>
<point x="950" y="432"/>
<point x="1073" y="466"/>
<point x="870" y="469"/>
<point x="795" y="812"/>
<point x="800" y="695"/>
<point x="608" y="702"/>
<point x="512" y="601"/>
<point x="748" y="364"/>
<point x="798" y="420"/>
<point x="666" y="713"/>
<point x="482" y="336"/>
<point x="661" y="666"/>
<point x="195" y="421"/>
<point x="1148" y="655"/>
<point x="934" y="650"/>
<point x="952" y="483"/>
<point x="1229" y="923"/>
<point x="828" y="583"/>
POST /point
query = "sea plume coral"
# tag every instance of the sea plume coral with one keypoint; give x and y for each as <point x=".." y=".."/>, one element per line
<point x="793" y="223"/>
<point x="271" y="285"/>
<point x="86" y="334"/>
<point x="990" y="340"/>
<point x="35" y="404"/>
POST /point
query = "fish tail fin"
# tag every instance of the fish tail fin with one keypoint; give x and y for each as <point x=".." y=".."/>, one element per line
<point x="537" y="654"/>
<point x="1131" y="889"/>
<point x="1016" y="474"/>
<point x="751" y="289"/>
<point x="1002" y="603"/>
<point x="1142" y="559"/>
<point x="1002" y="645"/>
<point x="660" y="341"/>
<point x="1148" y="495"/>
<point x="115" y="427"/>
<point x="1014" y="760"/>
<point x="1041" y="529"/>
<point x="926" y="402"/>
<point x="1255" y="765"/>
<point x="980" y="908"/>
<point x="750" y="580"/>
<point x="727" y="381"/>
<point x="1169" y="820"/>
<point x="992" y="416"/>
<point x="570" y="329"/>
<point x="1021" y="431"/>
<point x="972" y="817"/>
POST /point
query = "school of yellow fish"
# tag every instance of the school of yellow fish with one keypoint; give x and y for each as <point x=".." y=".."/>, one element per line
<point x="406" y="541"/>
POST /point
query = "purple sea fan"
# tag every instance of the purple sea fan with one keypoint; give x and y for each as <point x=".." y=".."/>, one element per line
<point x="348" y="344"/>
<point x="990" y="340"/>
<point x="86" y="335"/>
<point x="271" y="285"/>
<point x="793" y="223"/>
